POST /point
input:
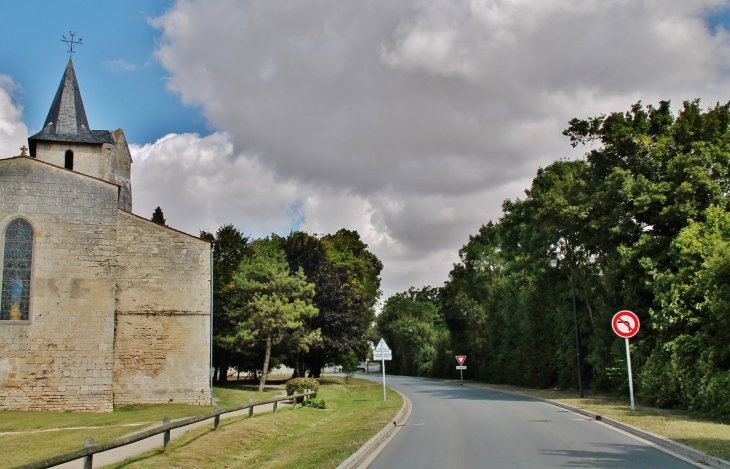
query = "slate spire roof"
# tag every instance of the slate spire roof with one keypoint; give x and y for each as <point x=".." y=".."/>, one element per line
<point x="66" y="121"/>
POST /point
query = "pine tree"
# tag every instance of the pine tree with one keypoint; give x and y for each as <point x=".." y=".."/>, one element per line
<point x="276" y="301"/>
<point x="158" y="217"/>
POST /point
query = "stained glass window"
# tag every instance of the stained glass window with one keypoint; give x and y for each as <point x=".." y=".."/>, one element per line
<point x="17" y="261"/>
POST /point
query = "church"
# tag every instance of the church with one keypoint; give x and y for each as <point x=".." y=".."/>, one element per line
<point x="99" y="307"/>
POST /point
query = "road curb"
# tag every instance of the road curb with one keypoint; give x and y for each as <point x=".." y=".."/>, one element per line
<point x="362" y="458"/>
<point x="665" y="443"/>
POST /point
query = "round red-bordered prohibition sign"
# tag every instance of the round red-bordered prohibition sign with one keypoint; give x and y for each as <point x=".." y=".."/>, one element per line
<point x="625" y="324"/>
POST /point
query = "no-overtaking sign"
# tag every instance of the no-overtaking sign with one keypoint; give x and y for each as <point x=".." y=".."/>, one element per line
<point x="625" y="324"/>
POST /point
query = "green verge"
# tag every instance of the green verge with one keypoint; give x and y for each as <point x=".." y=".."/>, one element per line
<point x="300" y="438"/>
<point x="27" y="436"/>
<point x="703" y="434"/>
<point x="239" y="393"/>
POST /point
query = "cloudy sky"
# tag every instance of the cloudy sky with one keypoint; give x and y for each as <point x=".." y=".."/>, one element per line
<point x="409" y="121"/>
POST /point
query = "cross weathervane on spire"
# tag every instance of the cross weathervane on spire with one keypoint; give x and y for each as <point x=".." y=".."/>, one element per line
<point x="71" y="43"/>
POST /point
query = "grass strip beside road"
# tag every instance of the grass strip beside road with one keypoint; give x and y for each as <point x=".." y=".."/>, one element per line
<point x="27" y="436"/>
<point x="703" y="434"/>
<point x="301" y="438"/>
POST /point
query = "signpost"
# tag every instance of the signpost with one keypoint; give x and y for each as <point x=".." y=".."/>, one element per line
<point x="626" y="325"/>
<point x="461" y="359"/>
<point x="382" y="352"/>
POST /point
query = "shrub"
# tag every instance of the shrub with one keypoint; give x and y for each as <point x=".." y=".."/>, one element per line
<point x="314" y="403"/>
<point x="300" y="385"/>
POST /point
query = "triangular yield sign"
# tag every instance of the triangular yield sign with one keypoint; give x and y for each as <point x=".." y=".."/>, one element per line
<point x="461" y="359"/>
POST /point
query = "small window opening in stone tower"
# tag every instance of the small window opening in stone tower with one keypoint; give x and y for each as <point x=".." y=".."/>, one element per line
<point x="69" y="162"/>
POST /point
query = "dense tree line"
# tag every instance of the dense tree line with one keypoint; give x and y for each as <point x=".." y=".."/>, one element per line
<point x="304" y="301"/>
<point x="643" y="223"/>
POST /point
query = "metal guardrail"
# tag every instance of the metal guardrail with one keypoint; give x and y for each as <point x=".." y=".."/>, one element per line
<point x="91" y="449"/>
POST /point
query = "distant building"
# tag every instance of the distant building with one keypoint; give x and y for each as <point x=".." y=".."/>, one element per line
<point x="99" y="307"/>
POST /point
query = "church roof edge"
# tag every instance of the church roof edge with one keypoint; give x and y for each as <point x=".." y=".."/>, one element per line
<point x="36" y="160"/>
<point x="165" y="226"/>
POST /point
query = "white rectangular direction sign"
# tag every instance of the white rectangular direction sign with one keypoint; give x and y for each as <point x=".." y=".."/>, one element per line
<point x="461" y="367"/>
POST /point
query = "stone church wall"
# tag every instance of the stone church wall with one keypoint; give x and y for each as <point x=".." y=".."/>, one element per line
<point x="62" y="357"/>
<point x="93" y="160"/>
<point x="120" y="169"/>
<point x="110" y="162"/>
<point x="162" y="345"/>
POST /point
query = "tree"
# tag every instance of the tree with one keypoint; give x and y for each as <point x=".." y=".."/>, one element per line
<point x="231" y="346"/>
<point x="345" y="306"/>
<point x="346" y="249"/>
<point x="276" y="302"/>
<point x="158" y="217"/>
<point x="408" y="323"/>
<point x="692" y="368"/>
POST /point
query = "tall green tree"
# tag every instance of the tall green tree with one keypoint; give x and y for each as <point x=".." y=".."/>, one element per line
<point x="692" y="368"/>
<point x="344" y="305"/>
<point x="231" y="346"/>
<point x="346" y="249"/>
<point x="408" y="324"/>
<point x="275" y="301"/>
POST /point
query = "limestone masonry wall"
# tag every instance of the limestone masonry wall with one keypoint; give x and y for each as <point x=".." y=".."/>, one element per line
<point x="110" y="162"/>
<point x="120" y="170"/>
<point x="162" y="345"/>
<point x="62" y="357"/>
<point x="93" y="160"/>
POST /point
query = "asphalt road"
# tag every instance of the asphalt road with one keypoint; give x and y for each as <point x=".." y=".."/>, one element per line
<point x="454" y="426"/>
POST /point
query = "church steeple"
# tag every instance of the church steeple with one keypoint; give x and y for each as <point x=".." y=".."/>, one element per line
<point x="66" y="121"/>
<point x="66" y="141"/>
<point x="67" y="115"/>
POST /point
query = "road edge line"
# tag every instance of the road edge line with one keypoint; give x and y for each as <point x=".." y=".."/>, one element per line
<point x="365" y="455"/>
<point x="664" y="443"/>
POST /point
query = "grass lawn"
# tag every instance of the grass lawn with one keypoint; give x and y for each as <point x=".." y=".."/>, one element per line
<point x="706" y="435"/>
<point x="239" y="392"/>
<point x="301" y="438"/>
<point x="27" y="436"/>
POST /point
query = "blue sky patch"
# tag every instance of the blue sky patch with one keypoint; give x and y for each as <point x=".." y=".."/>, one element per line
<point x="121" y="82"/>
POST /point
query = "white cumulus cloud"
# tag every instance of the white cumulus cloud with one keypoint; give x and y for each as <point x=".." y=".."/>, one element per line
<point x="13" y="132"/>
<point x="409" y="121"/>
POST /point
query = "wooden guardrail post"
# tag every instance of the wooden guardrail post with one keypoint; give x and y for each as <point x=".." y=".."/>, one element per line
<point x="250" y="409"/>
<point x="166" y="437"/>
<point x="88" y="460"/>
<point x="275" y="405"/>
<point x="216" y="420"/>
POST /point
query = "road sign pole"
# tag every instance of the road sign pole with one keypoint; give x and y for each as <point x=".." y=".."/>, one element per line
<point x="626" y="325"/>
<point x="631" y="381"/>
<point x="385" y="398"/>
<point x="460" y="359"/>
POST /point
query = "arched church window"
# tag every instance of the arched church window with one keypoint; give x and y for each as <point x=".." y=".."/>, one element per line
<point x="17" y="263"/>
<point x="69" y="162"/>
